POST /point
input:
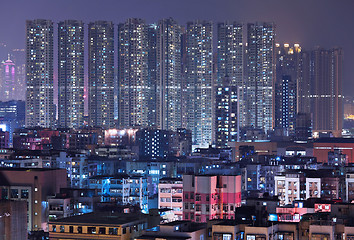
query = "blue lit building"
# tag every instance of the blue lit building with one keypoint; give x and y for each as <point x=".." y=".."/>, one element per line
<point x="154" y="170"/>
<point x="12" y="115"/>
<point x="122" y="189"/>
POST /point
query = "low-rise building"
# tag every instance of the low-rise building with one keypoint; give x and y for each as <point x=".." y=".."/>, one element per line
<point x="349" y="186"/>
<point x="324" y="147"/>
<point x="208" y="197"/>
<point x="301" y="185"/>
<point x="171" y="196"/>
<point x="71" y="202"/>
<point x="13" y="219"/>
<point x="103" y="225"/>
<point x="34" y="138"/>
<point x="176" y="230"/>
<point x="33" y="186"/>
<point x="122" y="188"/>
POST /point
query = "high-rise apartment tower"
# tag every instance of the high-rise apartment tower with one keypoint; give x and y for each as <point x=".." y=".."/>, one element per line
<point x="39" y="73"/>
<point x="101" y="73"/>
<point x="71" y="74"/>
<point x="260" y="76"/>
<point x="199" y="43"/>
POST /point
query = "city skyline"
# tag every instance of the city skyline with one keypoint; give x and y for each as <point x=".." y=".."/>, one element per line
<point x="295" y="22"/>
<point x="163" y="73"/>
<point x="144" y="93"/>
<point x="161" y="119"/>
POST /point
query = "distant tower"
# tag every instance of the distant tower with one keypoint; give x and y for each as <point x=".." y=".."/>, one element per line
<point x="303" y="89"/>
<point x="200" y="81"/>
<point x="101" y="73"/>
<point x="229" y="82"/>
<point x="169" y="75"/>
<point x="8" y="80"/>
<point x="18" y="56"/>
<point x="260" y="75"/>
<point x="288" y="75"/>
<point x="326" y="90"/>
<point x="285" y="105"/>
<point x="39" y="73"/>
<point x="133" y="73"/>
<point x="71" y="74"/>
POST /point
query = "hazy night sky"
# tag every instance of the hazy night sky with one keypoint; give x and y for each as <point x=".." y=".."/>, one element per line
<point x="326" y="23"/>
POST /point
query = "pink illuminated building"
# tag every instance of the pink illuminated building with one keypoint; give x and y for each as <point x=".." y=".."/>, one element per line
<point x="210" y="197"/>
<point x="292" y="214"/>
<point x="171" y="197"/>
<point x="8" y="81"/>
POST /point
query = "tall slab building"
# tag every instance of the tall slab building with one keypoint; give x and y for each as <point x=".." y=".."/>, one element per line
<point x="303" y="89"/>
<point x="229" y="82"/>
<point x="133" y="95"/>
<point x="71" y="74"/>
<point x="199" y="44"/>
<point x="152" y="74"/>
<point x="326" y="90"/>
<point x="260" y="76"/>
<point x="230" y="53"/>
<point x="288" y="80"/>
<point x="101" y="73"/>
<point x="39" y="73"/>
<point x="169" y="75"/>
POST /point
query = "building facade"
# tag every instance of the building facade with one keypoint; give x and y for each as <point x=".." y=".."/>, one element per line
<point x="122" y="189"/>
<point x="33" y="186"/>
<point x="39" y="73"/>
<point x="133" y="73"/>
<point x="326" y="90"/>
<point x="171" y="196"/>
<point x="156" y="143"/>
<point x="226" y="113"/>
<point x="169" y="75"/>
<point x="230" y="53"/>
<point x="101" y="73"/>
<point x="199" y="41"/>
<point x="99" y="226"/>
<point x="71" y="74"/>
<point x="288" y="76"/>
<point x="260" y="75"/>
<point x="207" y="197"/>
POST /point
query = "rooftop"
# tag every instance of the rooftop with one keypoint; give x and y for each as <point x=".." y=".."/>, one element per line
<point x="186" y="226"/>
<point x="335" y="140"/>
<point x="102" y="218"/>
<point x="117" y="176"/>
<point x="163" y="236"/>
